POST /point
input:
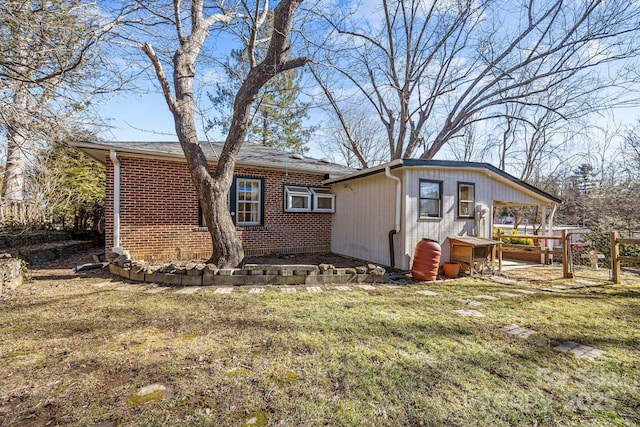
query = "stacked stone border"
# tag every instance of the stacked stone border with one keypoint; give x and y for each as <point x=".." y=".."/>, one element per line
<point x="199" y="274"/>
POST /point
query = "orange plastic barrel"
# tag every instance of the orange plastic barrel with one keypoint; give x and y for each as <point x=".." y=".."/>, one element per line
<point x="426" y="260"/>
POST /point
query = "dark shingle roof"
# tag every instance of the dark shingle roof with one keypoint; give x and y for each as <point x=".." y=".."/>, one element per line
<point x="402" y="163"/>
<point x="250" y="155"/>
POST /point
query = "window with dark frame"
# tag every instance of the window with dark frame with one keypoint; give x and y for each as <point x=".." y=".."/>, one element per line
<point x="246" y="202"/>
<point x="466" y="199"/>
<point x="430" y="204"/>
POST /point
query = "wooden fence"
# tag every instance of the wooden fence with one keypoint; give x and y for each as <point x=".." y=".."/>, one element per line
<point x="616" y="258"/>
<point x="543" y="250"/>
<point x="615" y="254"/>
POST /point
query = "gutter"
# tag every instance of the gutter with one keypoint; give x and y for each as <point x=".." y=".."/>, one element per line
<point x="550" y="230"/>
<point x="396" y="230"/>
<point x="116" y="200"/>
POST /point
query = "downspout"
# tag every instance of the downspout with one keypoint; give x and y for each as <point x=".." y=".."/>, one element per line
<point x="396" y="230"/>
<point x="550" y="231"/>
<point x="116" y="198"/>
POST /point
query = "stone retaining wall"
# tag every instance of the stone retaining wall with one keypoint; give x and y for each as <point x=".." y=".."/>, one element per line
<point x="250" y="274"/>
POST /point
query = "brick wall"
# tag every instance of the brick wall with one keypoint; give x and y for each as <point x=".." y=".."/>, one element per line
<point x="159" y="213"/>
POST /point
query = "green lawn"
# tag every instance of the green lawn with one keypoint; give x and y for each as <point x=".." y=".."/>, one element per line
<point x="73" y="353"/>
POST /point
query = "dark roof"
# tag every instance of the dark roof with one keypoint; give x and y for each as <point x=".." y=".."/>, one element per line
<point x="254" y="155"/>
<point x="444" y="164"/>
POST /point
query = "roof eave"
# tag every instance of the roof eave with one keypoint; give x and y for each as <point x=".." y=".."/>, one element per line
<point x="90" y="147"/>
<point x="447" y="164"/>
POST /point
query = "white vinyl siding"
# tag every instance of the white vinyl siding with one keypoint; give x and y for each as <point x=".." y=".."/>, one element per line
<point x="488" y="190"/>
<point x="365" y="213"/>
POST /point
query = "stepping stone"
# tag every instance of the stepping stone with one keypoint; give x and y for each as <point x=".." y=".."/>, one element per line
<point x="470" y="302"/>
<point x="585" y="282"/>
<point x="508" y="294"/>
<point x="392" y="287"/>
<point x="474" y="313"/>
<point x="579" y="350"/>
<point x="343" y="288"/>
<point x="157" y="290"/>
<point x="188" y="291"/>
<point x="524" y="291"/>
<point x="314" y="289"/>
<point x="367" y="287"/>
<point x="517" y="330"/>
<point x="103" y="284"/>
<point x="289" y="290"/>
<point x="503" y="280"/>
<point x="130" y="288"/>
<point x="427" y="293"/>
<point x="256" y="290"/>
<point x="224" y="290"/>
<point x="487" y="297"/>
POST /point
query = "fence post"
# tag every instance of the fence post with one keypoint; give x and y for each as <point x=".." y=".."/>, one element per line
<point x="615" y="257"/>
<point x="499" y="252"/>
<point x="565" y="255"/>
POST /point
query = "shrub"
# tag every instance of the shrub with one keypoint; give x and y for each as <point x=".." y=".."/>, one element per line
<point x="512" y="240"/>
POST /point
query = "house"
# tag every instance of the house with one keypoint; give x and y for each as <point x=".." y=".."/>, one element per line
<point x="384" y="211"/>
<point x="278" y="201"/>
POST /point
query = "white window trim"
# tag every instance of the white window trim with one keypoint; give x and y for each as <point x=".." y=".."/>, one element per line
<point x="291" y="191"/>
<point x="256" y="202"/>
<point x="322" y="195"/>
<point x="470" y="202"/>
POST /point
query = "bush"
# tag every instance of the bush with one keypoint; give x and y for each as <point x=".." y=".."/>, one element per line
<point x="512" y="240"/>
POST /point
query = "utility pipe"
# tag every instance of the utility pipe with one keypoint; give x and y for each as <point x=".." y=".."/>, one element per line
<point x="116" y="198"/>
<point x="387" y="173"/>
<point x="550" y="230"/>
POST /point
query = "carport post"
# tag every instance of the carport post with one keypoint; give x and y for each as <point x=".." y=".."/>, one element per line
<point x="565" y="256"/>
<point x="615" y="258"/>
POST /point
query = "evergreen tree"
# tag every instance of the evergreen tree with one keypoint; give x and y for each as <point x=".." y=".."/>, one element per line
<point x="278" y="116"/>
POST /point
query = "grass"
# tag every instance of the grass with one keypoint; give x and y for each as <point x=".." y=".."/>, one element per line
<point x="76" y="354"/>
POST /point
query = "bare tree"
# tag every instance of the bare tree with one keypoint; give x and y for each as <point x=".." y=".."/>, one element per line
<point x="50" y="69"/>
<point x="430" y="68"/>
<point x="632" y="147"/>
<point x="355" y="139"/>
<point x="191" y="24"/>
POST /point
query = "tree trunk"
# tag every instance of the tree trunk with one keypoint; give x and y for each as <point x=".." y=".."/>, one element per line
<point x="213" y="193"/>
<point x="13" y="185"/>
<point x="13" y="188"/>
<point x="213" y="188"/>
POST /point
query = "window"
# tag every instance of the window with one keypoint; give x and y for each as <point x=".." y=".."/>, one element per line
<point x="323" y="200"/>
<point x="297" y="199"/>
<point x="466" y="199"/>
<point x="248" y="201"/>
<point x="430" y="199"/>
<point x="308" y="199"/>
